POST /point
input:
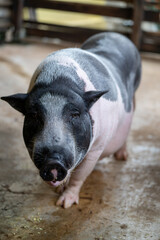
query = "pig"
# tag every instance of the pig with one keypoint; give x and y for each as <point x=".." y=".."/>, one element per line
<point x="79" y="109"/>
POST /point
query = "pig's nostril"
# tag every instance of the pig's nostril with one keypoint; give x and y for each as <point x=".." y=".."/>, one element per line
<point x="54" y="173"/>
<point x="46" y="175"/>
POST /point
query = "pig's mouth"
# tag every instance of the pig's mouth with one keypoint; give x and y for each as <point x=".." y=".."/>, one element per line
<point x="56" y="181"/>
<point x="55" y="173"/>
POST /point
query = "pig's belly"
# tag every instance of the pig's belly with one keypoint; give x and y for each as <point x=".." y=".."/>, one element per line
<point x="120" y="135"/>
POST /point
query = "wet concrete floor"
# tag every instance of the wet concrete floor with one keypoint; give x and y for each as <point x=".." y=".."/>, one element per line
<point x="119" y="200"/>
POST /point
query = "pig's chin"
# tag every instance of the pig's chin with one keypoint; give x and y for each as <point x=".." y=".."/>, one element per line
<point x="57" y="183"/>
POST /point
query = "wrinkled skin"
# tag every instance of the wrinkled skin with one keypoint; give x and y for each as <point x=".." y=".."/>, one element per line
<point x="79" y="109"/>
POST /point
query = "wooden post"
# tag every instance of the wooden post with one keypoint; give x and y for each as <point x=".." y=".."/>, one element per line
<point x="138" y="11"/>
<point x="17" y="18"/>
<point x="5" y="18"/>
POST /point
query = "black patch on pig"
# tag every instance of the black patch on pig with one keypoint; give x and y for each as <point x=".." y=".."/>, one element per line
<point x="121" y="62"/>
<point x="79" y="124"/>
<point x="17" y="101"/>
<point x="33" y="121"/>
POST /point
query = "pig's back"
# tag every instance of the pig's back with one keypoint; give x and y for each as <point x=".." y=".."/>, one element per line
<point x="107" y="60"/>
<point x="121" y="59"/>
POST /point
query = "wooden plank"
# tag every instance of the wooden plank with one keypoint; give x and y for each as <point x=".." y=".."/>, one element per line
<point x="152" y="16"/>
<point x="67" y="36"/>
<point x="152" y="34"/>
<point x="151" y="37"/>
<point x="5" y="27"/>
<point x="5" y="23"/>
<point x="137" y="19"/>
<point x="126" y="1"/>
<point x="150" y="48"/>
<point x="6" y="3"/>
<point x="38" y="25"/>
<point x="35" y="24"/>
<point x="62" y="32"/>
<point x="151" y="42"/>
<point x="5" y="12"/>
<point x="152" y="4"/>
<point x="125" y="13"/>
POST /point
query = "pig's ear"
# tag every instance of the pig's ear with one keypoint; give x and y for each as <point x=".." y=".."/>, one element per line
<point x="17" y="101"/>
<point x="91" y="97"/>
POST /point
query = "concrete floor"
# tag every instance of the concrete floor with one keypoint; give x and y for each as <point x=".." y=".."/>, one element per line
<point x="120" y="200"/>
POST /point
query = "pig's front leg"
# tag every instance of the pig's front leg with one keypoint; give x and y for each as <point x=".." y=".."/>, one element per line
<point x="71" y="193"/>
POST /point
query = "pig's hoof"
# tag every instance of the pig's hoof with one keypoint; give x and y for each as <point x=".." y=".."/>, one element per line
<point x="67" y="199"/>
<point x="121" y="154"/>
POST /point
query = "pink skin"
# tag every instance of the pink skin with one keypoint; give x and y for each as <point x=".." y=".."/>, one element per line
<point x="121" y="154"/>
<point x="54" y="182"/>
<point x="54" y="172"/>
<point x="109" y="136"/>
<point x="102" y="146"/>
<point x="110" y="131"/>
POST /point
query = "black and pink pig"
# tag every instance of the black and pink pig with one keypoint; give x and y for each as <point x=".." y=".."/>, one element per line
<point x="79" y="109"/>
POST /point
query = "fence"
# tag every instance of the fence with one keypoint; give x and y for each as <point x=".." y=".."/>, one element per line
<point x="5" y="17"/>
<point x="137" y="12"/>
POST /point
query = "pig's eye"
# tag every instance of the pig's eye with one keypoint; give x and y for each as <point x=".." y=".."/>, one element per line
<point x="75" y="115"/>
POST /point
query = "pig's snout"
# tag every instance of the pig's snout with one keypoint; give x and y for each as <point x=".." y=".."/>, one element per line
<point x="54" y="164"/>
<point x="53" y="172"/>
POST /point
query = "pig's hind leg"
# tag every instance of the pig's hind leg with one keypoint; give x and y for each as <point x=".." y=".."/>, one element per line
<point x="122" y="153"/>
